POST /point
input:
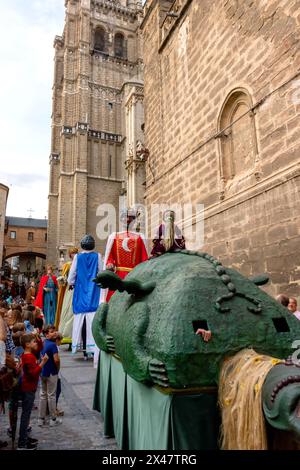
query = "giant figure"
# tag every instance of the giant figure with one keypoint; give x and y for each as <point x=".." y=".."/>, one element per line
<point x="176" y="390"/>
<point x="64" y="312"/>
<point x="168" y="237"/>
<point x="124" y="250"/>
<point x="47" y="296"/>
<point x="86" y="296"/>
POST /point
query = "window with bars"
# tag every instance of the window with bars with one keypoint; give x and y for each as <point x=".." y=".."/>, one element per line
<point x="30" y="236"/>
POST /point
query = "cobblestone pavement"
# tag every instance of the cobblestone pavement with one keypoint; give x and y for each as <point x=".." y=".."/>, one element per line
<point x="82" y="428"/>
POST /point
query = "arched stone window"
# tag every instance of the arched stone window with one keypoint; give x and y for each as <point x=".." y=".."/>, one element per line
<point x="100" y="42"/>
<point x="120" y="46"/>
<point x="238" y="141"/>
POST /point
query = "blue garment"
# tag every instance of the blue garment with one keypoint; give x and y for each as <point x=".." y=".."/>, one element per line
<point x="28" y="327"/>
<point x="86" y="292"/>
<point x="50" y="299"/>
<point x="50" y="349"/>
<point x="19" y="351"/>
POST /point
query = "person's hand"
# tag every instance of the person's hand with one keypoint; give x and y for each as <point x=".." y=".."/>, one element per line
<point x="44" y="360"/>
<point x="206" y="334"/>
<point x="110" y="267"/>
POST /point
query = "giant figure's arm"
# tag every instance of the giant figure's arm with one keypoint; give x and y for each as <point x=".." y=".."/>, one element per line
<point x="108" y="257"/>
<point x="73" y="272"/>
<point x="102" y="340"/>
<point x="136" y="361"/>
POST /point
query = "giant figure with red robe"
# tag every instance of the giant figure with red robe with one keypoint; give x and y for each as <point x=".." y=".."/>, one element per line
<point x="47" y="296"/>
<point x="124" y="251"/>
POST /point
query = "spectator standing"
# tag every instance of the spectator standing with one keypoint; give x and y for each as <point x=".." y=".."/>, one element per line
<point x="49" y="378"/>
<point x="30" y="375"/>
<point x="283" y="299"/>
<point x="30" y="294"/>
<point x="292" y="306"/>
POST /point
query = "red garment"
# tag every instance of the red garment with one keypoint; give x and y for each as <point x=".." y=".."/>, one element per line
<point x="39" y="301"/>
<point x="31" y="372"/>
<point x="40" y="346"/>
<point x="128" y="250"/>
<point x="158" y="243"/>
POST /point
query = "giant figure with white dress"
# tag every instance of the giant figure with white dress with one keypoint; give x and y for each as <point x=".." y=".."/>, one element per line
<point x="86" y="298"/>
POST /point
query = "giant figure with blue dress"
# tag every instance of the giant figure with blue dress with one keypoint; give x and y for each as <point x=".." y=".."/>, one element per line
<point x="86" y="298"/>
<point x="47" y="296"/>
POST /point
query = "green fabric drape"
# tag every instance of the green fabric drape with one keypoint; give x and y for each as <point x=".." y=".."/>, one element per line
<point x="103" y="393"/>
<point x="195" y="422"/>
<point x="97" y="400"/>
<point x="148" y="417"/>
<point x="118" y="398"/>
<point x="143" y="418"/>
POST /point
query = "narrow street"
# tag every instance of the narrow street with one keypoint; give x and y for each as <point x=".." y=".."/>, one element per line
<point x="82" y="428"/>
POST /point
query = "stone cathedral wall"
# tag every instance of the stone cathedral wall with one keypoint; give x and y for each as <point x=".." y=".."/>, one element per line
<point x="222" y="105"/>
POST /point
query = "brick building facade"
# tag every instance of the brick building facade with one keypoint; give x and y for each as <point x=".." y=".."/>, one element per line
<point x="222" y="105"/>
<point x="96" y="120"/>
<point x="26" y="238"/>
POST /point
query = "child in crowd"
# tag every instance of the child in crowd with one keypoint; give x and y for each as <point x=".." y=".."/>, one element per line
<point x="49" y="378"/>
<point x="18" y="327"/>
<point x="19" y="350"/>
<point x="28" y="318"/>
<point x="38" y="319"/>
<point x="31" y="371"/>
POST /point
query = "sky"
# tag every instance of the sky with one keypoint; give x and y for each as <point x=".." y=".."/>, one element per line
<point x="27" y="31"/>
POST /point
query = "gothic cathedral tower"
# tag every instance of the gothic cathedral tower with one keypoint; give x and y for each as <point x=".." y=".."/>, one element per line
<point x="97" y="118"/>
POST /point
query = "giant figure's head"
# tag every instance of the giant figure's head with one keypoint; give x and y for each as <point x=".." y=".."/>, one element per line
<point x="88" y="243"/>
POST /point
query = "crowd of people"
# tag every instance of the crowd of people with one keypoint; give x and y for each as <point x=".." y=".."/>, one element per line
<point x="29" y="355"/>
